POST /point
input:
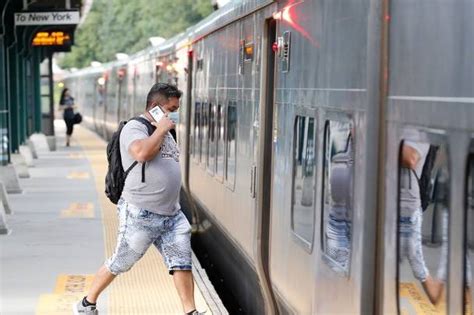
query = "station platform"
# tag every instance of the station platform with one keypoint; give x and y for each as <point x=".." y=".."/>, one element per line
<point x="63" y="228"/>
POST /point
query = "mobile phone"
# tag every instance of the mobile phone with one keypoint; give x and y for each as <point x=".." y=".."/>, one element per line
<point x="157" y="113"/>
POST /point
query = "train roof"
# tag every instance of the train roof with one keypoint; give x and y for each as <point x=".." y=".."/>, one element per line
<point x="233" y="10"/>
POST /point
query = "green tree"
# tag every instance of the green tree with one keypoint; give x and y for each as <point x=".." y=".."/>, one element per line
<point x="124" y="26"/>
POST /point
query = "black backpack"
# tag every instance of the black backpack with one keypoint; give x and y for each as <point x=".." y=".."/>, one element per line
<point x="116" y="175"/>
<point x="426" y="180"/>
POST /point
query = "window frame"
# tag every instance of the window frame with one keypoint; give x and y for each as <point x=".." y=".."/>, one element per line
<point x="440" y="138"/>
<point x="468" y="205"/>
<point x="230" y="103"/>
<point x="310" y="113"/>
<point x="325" y="129"/>
<point x="220" y="177"/>
<point x="204" y="137"/>
<point x="211" y="165"/>
<point x="196" y="142"/>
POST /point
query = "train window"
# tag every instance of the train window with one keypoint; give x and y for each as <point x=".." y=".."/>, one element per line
<point x="211" y="158"/>
<point x="338" y="195"/>
<point x="197" y="131"/>
<point x="204" y="132"/>
<point x="220" y="140"/>
<point x="231" y="142"/>
<point x="423" y="214"/>
<point x="469" y="254"/>
<point x="302" y="208"/>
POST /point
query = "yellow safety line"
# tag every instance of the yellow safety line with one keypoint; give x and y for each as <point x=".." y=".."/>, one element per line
<point x="146" y="288"/>
<point x="73" y="284"/>
<point x="78" y="175"/>
<point x="69" y="289"/>
<point x="419" y="301"/>
<point x="79" y="210"/>
<point x="57" y="304"/>
<point x="76" y="156"/>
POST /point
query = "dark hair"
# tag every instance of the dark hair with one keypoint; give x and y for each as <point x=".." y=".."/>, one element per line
<point x="160" y="91"/>
<point x="61" y="100"/>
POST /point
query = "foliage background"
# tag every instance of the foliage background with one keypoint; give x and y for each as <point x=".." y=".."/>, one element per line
<point x="125" y="25"/>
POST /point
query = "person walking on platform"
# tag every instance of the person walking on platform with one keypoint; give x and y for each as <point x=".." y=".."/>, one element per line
<point x="149" y="209"/>
<point x="66" y="103"/>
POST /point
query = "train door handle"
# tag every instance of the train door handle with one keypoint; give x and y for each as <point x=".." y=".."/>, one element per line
<point x="253" y="181"/>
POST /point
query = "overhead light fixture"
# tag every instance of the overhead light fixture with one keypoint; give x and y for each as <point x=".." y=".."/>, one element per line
<point x="96" y="64"/>
<point x="156" y="41"/>
<point x="121" y="56"/>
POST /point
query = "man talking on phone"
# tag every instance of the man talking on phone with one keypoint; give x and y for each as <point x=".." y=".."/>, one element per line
<point x="150" y="213"/>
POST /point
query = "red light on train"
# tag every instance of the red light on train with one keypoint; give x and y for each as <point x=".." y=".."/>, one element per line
<point x="275" y="47"/>
<point x="277" y="16"/>
<point x="286" y="15"/>
<point x="121" y="73"/>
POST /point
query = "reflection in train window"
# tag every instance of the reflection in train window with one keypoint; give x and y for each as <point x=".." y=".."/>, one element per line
<point x="197" y="130"/>
<point x="204" y="131"/>
<point x="231" y="141"/>
<point x="304" y="147"/>
<point x="422" y="226"/>
<point x="338" y="195"/>
<point x="220" y="140"/>
<point x="469" y="259"/>
<point x="211" y="158"/>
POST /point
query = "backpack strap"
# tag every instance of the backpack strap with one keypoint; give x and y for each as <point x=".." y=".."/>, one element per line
<point x="130" y="168"/>
<point x="150" y="129"/>
<point x="147" y="123"/>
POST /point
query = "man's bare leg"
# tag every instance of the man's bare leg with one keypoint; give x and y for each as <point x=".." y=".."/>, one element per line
<point x="433" y="288"/>
<point x="183" y="280"/>
<point x="101" y="280"/>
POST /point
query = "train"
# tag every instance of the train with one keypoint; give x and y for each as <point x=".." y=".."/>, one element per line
<point x="293" y="126"/>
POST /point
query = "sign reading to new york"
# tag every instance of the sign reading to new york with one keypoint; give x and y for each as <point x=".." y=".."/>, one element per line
<point x="47" y="18"/>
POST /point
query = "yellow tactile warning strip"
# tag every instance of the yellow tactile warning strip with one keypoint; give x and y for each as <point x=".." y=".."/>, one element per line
<point x="79" y="210"/>
<point x="73" y="283"/>
<point x="77" y="156"/>
<point x="78" y="175"/>
<point x="69" y="289"/>
<point x="147" y="288"/>
<point x="419" y="302"/>
<point x="57" y="304"/>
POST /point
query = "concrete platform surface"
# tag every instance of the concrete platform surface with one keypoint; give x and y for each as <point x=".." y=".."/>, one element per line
<point x="62" y="230"/>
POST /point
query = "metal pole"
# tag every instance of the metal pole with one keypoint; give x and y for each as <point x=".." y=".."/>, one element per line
<point x="51" y="93"/>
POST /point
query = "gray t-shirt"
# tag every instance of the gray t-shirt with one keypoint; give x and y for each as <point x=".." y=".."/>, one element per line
<point x="410" y="199"/>
<point x="160" y="191"/>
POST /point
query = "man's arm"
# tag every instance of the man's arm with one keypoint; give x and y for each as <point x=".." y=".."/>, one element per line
<point x="143" y="150"/>
<point x="410" y="157"/>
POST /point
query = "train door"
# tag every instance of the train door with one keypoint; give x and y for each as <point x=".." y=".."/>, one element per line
<point x="133" y="94"/>
<point x="99" y="110"/>
<point x="106" y="100"/>
<point x="121" y="100"/>
<point x="263" y="171"/>
<point x="95" y="104"/>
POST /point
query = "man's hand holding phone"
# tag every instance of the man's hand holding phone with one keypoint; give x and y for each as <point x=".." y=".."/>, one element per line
<point x="162" y="122"/>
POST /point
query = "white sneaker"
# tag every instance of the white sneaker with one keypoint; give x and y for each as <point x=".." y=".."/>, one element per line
<point x="79" y="309"/>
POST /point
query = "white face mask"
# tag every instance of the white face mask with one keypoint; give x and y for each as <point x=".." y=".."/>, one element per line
<point x="174" y="116"/>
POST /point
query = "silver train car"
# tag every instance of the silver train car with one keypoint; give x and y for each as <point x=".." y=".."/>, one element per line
<point x="298" y="125"/>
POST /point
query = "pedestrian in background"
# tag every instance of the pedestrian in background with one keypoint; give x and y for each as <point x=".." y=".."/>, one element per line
<point x="66" y="104"/>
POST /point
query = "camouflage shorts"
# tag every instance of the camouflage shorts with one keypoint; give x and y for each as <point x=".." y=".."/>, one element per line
<point x="140" y="228"/>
